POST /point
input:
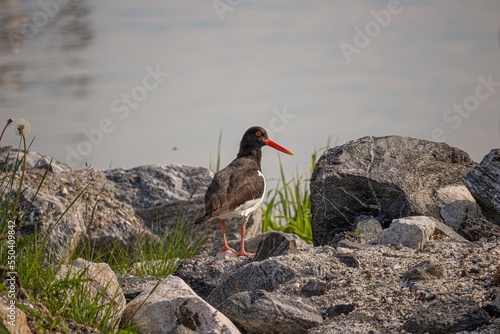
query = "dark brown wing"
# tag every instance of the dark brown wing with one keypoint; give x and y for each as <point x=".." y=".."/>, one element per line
<point x="232" y="186"/>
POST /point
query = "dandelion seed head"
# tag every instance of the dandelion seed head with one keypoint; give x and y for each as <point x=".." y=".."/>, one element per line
<point x="23" y="127"/>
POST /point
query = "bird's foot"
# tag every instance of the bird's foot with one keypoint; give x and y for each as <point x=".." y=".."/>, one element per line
<point x="227" y="248"/>
<point x="243" y="253"/>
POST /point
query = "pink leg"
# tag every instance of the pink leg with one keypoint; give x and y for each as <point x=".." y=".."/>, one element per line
<point x="226" y="247"/>
<point x="243" y="231"/>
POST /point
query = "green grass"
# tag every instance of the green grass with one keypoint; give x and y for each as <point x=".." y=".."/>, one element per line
<point x="70" y="297"/>
<point x="287" y="207"/>
<point x="147" y="255"/>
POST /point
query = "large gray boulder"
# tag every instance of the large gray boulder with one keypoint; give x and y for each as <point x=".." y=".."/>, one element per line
<point x="76" y="207"/>
<point x="150" y="186"/>
<point x="483" y="181"/>
<point x="384" y="177"/>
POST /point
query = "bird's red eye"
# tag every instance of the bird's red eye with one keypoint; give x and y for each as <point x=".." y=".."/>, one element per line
<point x="258" y="133"/>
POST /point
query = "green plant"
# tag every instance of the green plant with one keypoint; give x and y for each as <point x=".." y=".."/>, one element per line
<point x="35" y="269"/>
<point x="287" y="207"/>
<point x="216" y="166"/>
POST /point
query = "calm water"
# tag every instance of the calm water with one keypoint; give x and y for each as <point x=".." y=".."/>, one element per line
<point x="128" y="83"/>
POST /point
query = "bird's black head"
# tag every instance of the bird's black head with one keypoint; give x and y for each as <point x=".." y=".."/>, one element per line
<point x="256" y="136"/>
<point x="253" y="140"/>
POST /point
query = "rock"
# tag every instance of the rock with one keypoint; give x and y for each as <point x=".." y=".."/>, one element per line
<point x="173" y="307"/>
<point x="447" y="317"/>
<point x="266" y="275"/>
<point x="259" y="311"/>
<point x="336" y="310"/>
<point x="495" y="279"/>
<point x="149" y="186"/>
<point x="413" y="232"/>
<point x="133" y="286"/>
<point x="9" y="156"/>
<point x="275" y="244"/>
<point x="346" y="238"/>
<point x="482" y="182"/>
<point x="12" y="319"/>
<point x="96" y="218"/>
<point x="252" y="244"/>
<point x="493" y="309"/>
<point x="367" y="228"/>
<point x="425" y="270"/>
<point x="313" y="288"/>
<point x="349" y="260"/>
<point x="384" y="177"/>
<point x="99" y="284"/>
<point x="478" y="228"/>
<point x="457" y="205"/>
<point x="444" y="230"/>
<point x="225" y="255"/>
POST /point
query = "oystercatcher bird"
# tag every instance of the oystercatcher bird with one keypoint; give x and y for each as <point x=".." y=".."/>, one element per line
<point x="239" y="188"/>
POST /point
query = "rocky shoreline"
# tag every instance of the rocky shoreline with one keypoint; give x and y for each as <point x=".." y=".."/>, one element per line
<point x="406" y="240"/>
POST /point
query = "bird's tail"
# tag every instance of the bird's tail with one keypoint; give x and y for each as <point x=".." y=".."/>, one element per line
<point x="201" y="218"/>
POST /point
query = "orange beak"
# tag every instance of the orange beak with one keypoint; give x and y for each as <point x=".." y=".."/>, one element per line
<point x="278" y="147"/>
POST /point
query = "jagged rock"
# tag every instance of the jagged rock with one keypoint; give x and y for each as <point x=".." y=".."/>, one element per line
<point x="457" y="205"/>
<point x="259" y="311"/>
<point x="444" y="230"/>
<point x="10" y="156"/>
<point x="425" y="270"/>
<point x="313" y="288"/>
<point x="447" y="317"/>
<point x="274" y="244"/>
<point x="173" y="307"/>
<point x="476" y="229"/>
<point x="367" y="228"/>
<point x="96" y="218"/>
<point x="99" y="283"/>
<point x="148" y="186"/>
<point x="482" y="182"/>
<point x="413" y="232"/>
<point x="384" y="177"/>
<point x="349" y="260"/>
<point x="266" y="275"/>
